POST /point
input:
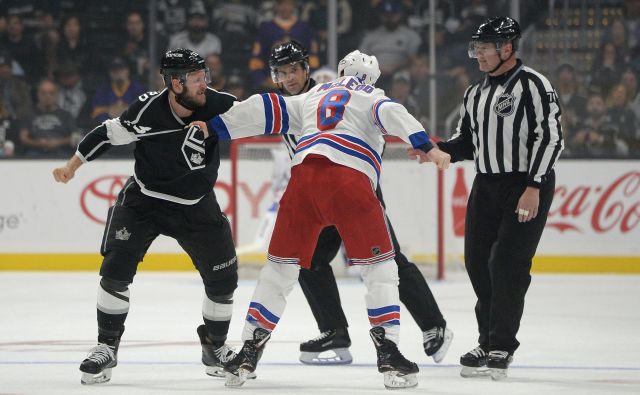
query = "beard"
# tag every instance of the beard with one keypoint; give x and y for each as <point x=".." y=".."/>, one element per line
<point x="188" y="102"/>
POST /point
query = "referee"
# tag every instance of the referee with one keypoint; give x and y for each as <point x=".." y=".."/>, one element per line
<point x="510" y="127"/>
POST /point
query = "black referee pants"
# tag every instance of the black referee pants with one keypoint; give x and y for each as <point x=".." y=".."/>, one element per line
<point x="498" y="254"/>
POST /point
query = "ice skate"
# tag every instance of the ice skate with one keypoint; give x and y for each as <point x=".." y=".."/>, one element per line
<point x="214" y="358"/>
<point x="398" y="371"/>
<point x="329" y="348"/>
<point x="498" y="363"/>
<point x="436" y="342"/>
<point x="96" y="367"/>
<point x="238" y="370"/>
<point x="474" y="363"/>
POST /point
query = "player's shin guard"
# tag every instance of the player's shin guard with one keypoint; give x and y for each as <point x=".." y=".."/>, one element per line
<point x="112" y="310"/>
<point x="382" y="299"/>
<point x="269" y="299"/>
<point x="216" y="312"/>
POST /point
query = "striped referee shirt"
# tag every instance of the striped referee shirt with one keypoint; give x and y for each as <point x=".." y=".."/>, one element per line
<point x="509" y="124"/>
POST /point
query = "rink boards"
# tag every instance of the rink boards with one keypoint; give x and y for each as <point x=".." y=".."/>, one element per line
<point x="593" y="226"/>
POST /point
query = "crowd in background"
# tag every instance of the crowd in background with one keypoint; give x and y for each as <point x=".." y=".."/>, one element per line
<point x="68" y="65"/>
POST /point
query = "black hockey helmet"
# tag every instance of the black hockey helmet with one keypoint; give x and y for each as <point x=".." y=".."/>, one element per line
<point x="498" y="30"/>
<point x="180" y="62"/>
<point x="287" y="53"/>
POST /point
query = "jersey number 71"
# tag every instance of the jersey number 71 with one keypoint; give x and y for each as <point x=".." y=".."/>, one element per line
<point x="331" y="109"/>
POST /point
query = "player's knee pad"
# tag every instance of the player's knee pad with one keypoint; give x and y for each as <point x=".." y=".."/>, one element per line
<point x="113" y="296"/>
<point x="279" y="276"/>
<point x="385" y="272"/>
<point x="120" y="265"/>
<point x="224" y="283"/>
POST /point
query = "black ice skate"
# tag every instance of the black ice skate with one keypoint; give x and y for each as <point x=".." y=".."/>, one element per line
<point x="474" y="363"/>
<point x="329" y="348"/>
<point x="237" y="371"/>
<point x="398" y="371"/>
<point x="498" y="363"/>
<point x="436" y="342"/>
<point x="96" y="368"/>
<point x="214" y="358"/>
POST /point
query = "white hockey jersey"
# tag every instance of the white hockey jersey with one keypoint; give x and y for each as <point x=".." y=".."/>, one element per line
<point x="343" y="120"/>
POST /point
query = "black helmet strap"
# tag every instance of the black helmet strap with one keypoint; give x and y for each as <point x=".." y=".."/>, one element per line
<point x="500" y="57"/>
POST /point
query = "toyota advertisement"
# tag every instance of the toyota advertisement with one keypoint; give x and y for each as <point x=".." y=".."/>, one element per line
<point x="595" y="213"/>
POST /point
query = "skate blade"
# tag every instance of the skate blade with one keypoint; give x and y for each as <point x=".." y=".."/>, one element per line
<point x="394" y="380"/>
<point x="471" y="372"/>
<point x="498" y="374"/>
<point x="442" y="351"/>
<point x="235" y="380"/>
<point x="216" y="371"/>
<point x="337" y="356"/>
<point x="98" y="378"/>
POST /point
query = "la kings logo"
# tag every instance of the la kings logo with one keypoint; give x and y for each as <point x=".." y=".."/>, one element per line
<point x="123" y="234"/>
<point x="193" y="148"/>
<point x="505" y="105"/>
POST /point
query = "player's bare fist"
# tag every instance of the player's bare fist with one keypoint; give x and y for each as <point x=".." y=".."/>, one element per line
<point x="63" y="174"/>
<point x="200" y="125"/>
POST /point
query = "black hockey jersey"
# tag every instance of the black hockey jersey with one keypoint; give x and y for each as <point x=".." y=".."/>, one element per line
<point x="171" y="162"/>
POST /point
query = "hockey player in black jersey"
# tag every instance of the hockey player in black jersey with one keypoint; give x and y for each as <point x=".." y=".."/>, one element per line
<point x="290" y="70"/>
<point x="170" y="193"/>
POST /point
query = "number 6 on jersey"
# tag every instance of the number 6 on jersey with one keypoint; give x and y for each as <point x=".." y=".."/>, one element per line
<point x="331" y="109"/>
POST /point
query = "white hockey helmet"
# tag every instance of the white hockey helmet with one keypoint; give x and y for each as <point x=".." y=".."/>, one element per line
<point x="362" y="66"/>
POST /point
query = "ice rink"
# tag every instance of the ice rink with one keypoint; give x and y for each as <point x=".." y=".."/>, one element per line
<point x="580" y="335"/>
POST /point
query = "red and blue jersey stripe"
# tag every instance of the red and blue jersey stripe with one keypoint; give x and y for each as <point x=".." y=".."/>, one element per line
<point x="387" y="315"/>
<point x="347" y="144"/>
<point x="262" y="316"/>
<point x="275" y="113"/>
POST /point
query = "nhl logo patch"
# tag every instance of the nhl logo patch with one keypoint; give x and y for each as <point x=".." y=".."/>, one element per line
<point x="505" y="105"/>
<point x="375" y="251"/>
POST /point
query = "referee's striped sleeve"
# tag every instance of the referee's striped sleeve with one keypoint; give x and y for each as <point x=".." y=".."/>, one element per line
<point x="460" y="145"/>
<point x="548" y="141"/>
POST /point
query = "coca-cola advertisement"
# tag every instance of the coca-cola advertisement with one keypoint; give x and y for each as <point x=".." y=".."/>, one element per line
<point x="595" y="210"/>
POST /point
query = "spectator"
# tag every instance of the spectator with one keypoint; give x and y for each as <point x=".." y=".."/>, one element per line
<point x="8" y="133"/>
<point x="113" y="98"/>
<point x="596" y="135"/>
<point x="49" y="43"/>
<point x="630" y="80"/>
<point x="48" y="132"/>
<point x="22" y="49"/>
<point x="135" y="48"/>
<point x="618" y="36"/>
<point x="606" y="69"/>
<point x="216" y="71"/>
<point x="71" y="94"/>
<point x="285" y="26"/>
<point x="314" y="13"/>
<point x="622" y="117"/>
<point x="401" y="92"/>
<point x="172" y="15"/>
<point x="235" y="85"/>
<point x="74" y="47"/>
<point x="324" y="74"/>
<point x="572" y="102"/>
<point x="14" y="93"/>
<point x="235" y="22"/>
<point x="393" y="43"/>
<point x="196" y="37"/>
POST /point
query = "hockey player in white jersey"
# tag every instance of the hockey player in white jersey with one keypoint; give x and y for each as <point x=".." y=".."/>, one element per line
<point x="335" y="171"/>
